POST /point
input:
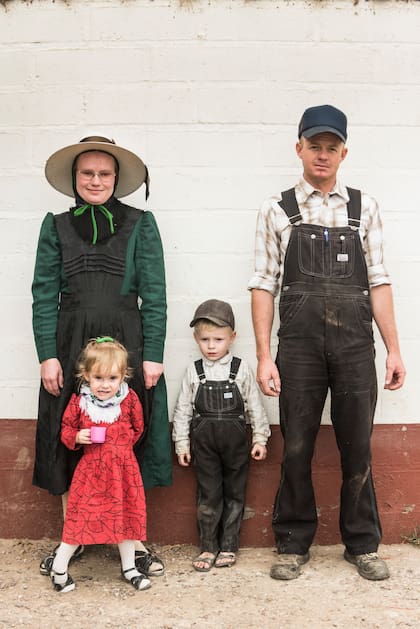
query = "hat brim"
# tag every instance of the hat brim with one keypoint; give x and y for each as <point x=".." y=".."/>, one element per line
<point x="219" y="322"/>
<point x="132" y="171"/>
<point x="309" y="133"/>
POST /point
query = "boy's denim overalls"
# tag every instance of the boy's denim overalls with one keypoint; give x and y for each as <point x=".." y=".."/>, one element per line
<point x="219" y="446"/>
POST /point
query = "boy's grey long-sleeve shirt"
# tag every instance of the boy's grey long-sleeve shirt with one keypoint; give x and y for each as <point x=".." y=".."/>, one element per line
<point x="219" y="370"/>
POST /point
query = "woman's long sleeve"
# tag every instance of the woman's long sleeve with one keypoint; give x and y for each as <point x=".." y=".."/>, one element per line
<point x="151" y="286"/>
<point x="46" y="287"/>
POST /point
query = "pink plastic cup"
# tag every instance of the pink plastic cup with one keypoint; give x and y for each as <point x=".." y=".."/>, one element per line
<point x="97" y="434"/>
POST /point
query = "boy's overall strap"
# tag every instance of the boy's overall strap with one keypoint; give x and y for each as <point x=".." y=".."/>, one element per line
<point x="234" y="366"/>
<point x="290" y="206"/>
<point x="354" y="207"/>
<point x="199" y="367"/>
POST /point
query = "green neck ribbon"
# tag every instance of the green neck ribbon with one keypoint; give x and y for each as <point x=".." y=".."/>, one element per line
<point x="108" y="215"/>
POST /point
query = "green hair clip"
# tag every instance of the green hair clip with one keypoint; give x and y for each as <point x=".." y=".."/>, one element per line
<point x="104" y="339"/>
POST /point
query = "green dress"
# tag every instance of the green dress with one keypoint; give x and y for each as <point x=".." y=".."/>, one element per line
<point x="81" y="291"/>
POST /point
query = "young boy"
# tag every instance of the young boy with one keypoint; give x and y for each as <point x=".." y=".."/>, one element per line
<point x="217" y="393"/>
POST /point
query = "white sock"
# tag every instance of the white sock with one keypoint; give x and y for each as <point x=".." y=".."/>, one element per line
<point x="126" y="549"/>
<point x="61" y="561"/>
<point x="139" y="545"/>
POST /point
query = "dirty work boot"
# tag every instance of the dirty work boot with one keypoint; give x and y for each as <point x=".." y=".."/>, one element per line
<point x="370" y="565"/>
<point x="288" y="566"/>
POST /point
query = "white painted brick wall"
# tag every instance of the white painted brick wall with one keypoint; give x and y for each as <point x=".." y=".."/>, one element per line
<point x="209" y="93"/>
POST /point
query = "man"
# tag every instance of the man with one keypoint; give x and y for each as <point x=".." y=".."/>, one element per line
<point x="322" y="244"/>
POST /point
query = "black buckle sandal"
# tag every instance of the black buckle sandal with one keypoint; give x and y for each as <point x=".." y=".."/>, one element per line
<point x="144" y="559"/>
<point x="68" y="586"/>
<point x="140" y="582"/>
<point x="45" y="566"/>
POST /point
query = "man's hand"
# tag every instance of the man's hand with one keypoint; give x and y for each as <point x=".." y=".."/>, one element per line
<point x="383" y="313"/>
<point x="395" y="372"/>
<point x="151" y="373"/>
<point x="268" y="377"/>
<point x="184" y="459"/>
<point x="52" y="376"/>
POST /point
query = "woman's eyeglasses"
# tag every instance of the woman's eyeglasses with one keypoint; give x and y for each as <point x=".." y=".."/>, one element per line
<point x="104" y="175"/>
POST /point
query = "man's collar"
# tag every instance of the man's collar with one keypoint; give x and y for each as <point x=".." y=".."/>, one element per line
<point x="304" y="190"/>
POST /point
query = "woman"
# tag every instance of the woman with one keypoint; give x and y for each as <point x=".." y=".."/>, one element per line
<point x="93" y="264"/>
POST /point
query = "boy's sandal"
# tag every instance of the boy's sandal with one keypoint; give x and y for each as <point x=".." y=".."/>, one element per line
<point x="144" y="561"/>
<point x="225" y="560"/>
<point x="139" y="582"/>
<point x="45" y="566"/>
<point x="208" y="562"/>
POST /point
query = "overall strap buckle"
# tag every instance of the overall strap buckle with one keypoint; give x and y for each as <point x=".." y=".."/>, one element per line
<point x="354" y="207"/>
<point x="234" y="367"/>
<point x="199" y="367"/>
<point x="289" y="204"/>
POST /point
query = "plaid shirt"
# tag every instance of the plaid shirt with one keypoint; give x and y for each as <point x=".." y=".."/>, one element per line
<point x="273" y="232"/>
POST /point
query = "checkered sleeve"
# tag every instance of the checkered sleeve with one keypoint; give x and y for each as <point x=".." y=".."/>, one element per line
<point x="267" y="250"/>
<point x="373" y="242"/>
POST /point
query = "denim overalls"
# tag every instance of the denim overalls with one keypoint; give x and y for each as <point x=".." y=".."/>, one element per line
<point x="219" y="447"/>
<point x="326" y="341"/>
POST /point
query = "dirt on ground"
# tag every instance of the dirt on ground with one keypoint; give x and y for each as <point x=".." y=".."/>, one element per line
<point x="328" y="594"/>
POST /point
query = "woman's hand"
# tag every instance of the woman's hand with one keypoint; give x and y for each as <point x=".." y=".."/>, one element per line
<point x="52" y="376"/>
<point x="151" y="373"/>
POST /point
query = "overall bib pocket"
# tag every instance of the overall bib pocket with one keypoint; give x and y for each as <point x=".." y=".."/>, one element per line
<point x="327" y="253"/>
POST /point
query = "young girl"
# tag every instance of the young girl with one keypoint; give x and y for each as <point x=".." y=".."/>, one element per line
<point x="106" y="501"/>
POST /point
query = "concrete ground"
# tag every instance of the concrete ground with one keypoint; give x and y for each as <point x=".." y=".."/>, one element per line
<point x="328" y="594"/>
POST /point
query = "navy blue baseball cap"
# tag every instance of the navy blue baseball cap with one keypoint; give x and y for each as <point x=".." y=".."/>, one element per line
<point x="322" y="119"/>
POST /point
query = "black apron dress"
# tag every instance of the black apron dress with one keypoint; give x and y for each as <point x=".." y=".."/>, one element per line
<point x="93" y="307"/>
<point x="326" y="341"/>
<point x="219" y="448"/>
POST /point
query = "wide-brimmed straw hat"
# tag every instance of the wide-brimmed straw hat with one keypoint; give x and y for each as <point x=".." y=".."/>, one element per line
<point x="132" y="171"/>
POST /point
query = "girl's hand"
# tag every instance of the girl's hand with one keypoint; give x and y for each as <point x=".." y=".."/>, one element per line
<point x="83" y="437"/>
<point x="258" y="452"/>
<point x="184" y="459"/>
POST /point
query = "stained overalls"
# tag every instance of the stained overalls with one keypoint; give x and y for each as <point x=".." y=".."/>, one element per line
<point x="326" y="341"/>
<point x="219" y="447"/>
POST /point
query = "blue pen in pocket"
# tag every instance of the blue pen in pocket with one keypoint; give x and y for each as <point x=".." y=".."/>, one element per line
<point x="326" y="236"/>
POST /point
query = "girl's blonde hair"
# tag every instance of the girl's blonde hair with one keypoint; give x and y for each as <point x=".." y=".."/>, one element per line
<point x="102" y="353"/>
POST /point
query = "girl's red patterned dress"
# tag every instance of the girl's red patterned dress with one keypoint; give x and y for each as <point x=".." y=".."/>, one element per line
<point x="106" y="501"/>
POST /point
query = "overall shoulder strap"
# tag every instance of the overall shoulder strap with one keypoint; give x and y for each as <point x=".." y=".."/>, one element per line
<point x="354" y="207"/>
<point x="234" y="367"/>
<point x="290" y="206"/>
<point x="199" y="367"/>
